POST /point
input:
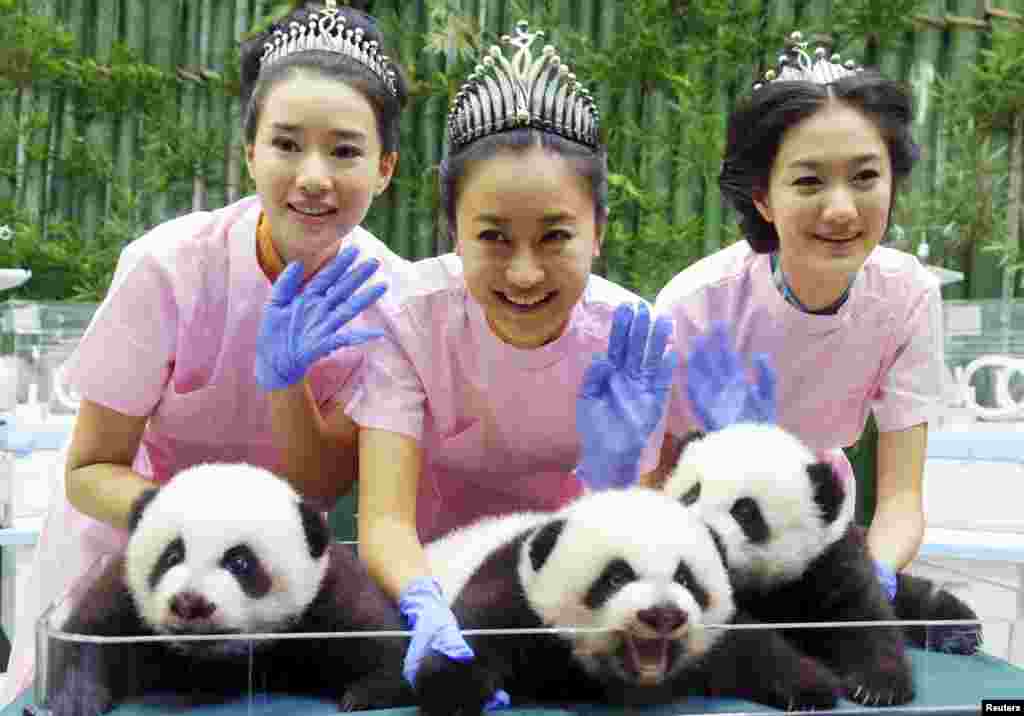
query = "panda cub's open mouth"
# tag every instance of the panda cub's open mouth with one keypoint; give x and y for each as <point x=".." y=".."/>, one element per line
<point x="649" y="660"/>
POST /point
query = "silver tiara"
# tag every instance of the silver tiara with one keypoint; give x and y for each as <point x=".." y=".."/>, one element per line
<point x="796" y="65"/>
<point x="326" y="31"/>
<point x="523" y="91"/>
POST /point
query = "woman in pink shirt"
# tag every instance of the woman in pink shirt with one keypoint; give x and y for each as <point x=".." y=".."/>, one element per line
<point x="473" y="405"/>
<point x="175" y="367"/>
<point x="813" y="160"/>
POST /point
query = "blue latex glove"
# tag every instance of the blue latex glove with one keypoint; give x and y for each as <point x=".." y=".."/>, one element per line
<point x="887" y="578"/>
<point x="717" y="384"/>
<point x="434" y="627"/>
<point x="301" y="326"/>
<point x="623" y="397"/>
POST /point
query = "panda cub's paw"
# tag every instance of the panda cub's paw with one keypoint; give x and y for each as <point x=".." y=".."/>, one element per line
<point x="891" y="686"/>
<point x="920" y="599"/>
<point x="813" y="686"/>
<point x="446" y="687"/>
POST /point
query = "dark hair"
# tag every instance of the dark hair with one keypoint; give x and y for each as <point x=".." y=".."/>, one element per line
<point x="589" y="163"/>
<point x="757" y="125"/>
<point x="255" y="85"/>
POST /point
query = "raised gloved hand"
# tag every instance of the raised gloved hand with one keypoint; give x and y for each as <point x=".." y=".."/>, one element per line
<point x="623" y="397"/>
<point x="717" y="385"/>
<point x="434" y="628"/>
<point x="301" y="326"/>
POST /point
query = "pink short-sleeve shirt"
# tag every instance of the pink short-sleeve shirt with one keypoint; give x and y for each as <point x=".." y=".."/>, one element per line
<point x="881" y="352"/>
<point x="175" y="339"/>
<point x="496" y="424"/>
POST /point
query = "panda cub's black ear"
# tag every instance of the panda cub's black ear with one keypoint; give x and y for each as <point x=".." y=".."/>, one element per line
<point x="318" y="534"/>
<point x="139" y="506"/>
<point x="543" y="543"/>
<point x="828" y="492"/>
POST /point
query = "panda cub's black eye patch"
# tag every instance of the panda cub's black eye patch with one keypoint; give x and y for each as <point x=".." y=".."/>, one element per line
<point x="174" y="553"/>
<point x="748" y="516"/>
<point x="616" y="575"/>
<point x="684" y="577"/>
<point x="245" y="566"/>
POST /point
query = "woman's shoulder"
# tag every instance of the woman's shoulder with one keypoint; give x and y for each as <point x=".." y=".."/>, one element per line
<point x="426" y="292"/>
<point x="595" y="311"/>
<point x="371" y="247"/>
<point x="897" y="275"/>
<point x="603" y="296"/>
<point x="720" y="269"/>
<point x="194" y="235"/>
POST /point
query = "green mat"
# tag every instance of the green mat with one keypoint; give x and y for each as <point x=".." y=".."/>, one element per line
<point x="945" y="683"/>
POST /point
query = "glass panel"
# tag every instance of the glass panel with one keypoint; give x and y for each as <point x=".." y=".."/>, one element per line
<point x="539" y="675"/>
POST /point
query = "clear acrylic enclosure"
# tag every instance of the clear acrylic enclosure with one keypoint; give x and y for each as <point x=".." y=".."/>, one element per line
<point x="943" y="682"/>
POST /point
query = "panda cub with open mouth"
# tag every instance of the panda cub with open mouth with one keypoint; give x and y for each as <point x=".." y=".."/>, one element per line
<point x="626" y="587"/>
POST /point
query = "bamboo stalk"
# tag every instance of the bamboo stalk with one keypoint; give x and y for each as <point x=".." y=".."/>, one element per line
<point x="1013" y="211"/>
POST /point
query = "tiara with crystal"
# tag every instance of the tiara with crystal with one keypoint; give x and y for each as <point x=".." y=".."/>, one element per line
<point x="326" y="31"/>
<point x="796" y="64"/>
<point x="524" y="91"/>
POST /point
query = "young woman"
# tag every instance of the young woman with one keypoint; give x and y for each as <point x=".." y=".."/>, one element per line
<point x="175" y="367"/>
<point x="473" y="406"/>
<point x="814" y="158"/>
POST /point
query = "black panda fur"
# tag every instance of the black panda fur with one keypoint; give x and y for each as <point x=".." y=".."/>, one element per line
<point x="609" y="560"/>
<point x="793" y="554"/>
<point x="919" y="599"/>
<point x="279" y="572"/>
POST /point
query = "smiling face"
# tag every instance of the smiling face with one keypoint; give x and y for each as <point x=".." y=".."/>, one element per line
<point x="317" y="163"/>
<point x="828" y="196"/>
<point x="527" y="236"/>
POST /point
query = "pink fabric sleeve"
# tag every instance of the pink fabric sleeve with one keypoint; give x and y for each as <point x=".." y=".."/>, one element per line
<point x="389" y="394"/>
<point x="912" y="385"/>
<point x="125" y="358"/>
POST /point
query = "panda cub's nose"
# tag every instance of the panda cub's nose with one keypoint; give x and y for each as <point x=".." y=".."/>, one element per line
<point x="191" y="606"/>
<point x="663" y="618"/>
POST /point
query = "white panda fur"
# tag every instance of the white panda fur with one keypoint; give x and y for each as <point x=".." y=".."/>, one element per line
<point x="455" y="557"/>
<point x="635" y="635"/>
<point x="793" y="554"/>
<point x="768" y="464"/>
<point x="228" y="549"/>
<point x="266" y="525"/>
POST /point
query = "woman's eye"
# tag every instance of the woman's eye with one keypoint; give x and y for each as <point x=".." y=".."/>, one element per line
<point x="348" y="152"/>
<point x="866" y="176"/>
<point x="490" y="235"/>
<point x="558" y="235"/>
<point x="807" y="182"/>
<point x="285" y="144"/>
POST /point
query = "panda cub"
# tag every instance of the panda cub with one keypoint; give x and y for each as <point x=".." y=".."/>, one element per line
<point x="227" y="549"/>
<point x="792" y="554"/>
<point x="618" y="589"/>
